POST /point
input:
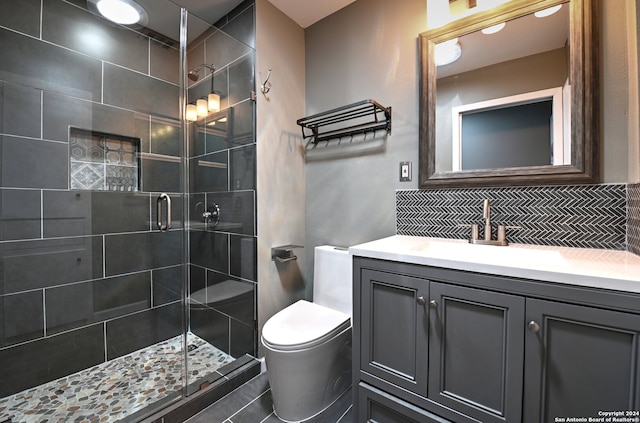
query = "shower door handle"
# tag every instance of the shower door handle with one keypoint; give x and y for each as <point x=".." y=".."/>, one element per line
<point x="163" y="198"/>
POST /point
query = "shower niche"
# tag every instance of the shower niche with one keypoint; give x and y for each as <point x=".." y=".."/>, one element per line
<point x="103" y="162"/>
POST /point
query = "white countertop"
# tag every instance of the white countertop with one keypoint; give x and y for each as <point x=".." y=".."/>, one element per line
<point x="608" y="269"/>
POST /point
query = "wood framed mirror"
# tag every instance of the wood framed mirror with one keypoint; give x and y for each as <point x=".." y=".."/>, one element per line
<point x="537" y="78"/>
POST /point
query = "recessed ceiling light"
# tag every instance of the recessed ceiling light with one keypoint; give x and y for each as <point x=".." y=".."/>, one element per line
<point x="447" y="52"/>
<point x="123" y="12"/>
<point x="547" y="12"/>
<point x="493" y="29"/>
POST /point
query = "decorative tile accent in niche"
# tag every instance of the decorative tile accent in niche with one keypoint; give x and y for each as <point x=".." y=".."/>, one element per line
<point x="633" y="218"/>
<point x="103" y="162"/>
<point x="587" y="216"/>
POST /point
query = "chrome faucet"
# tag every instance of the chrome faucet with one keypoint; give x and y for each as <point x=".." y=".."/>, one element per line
<point x="486" y="215"/>
<point x="502" y="229"/>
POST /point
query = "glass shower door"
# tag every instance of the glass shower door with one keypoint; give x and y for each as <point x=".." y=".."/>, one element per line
<point x="92" y="242"/>
<point x="222" y="294"/>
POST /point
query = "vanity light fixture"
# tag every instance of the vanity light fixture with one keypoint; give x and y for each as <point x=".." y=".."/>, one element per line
<point x="202" y="106"/>
<point x="494" y="28"/>
<point x="447" y="52"/>
<point x="123" y="12"/>
<point x="547" y="12"/>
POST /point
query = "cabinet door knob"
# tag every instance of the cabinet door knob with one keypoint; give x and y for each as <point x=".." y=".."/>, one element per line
<point x="433" y="304"/>
<point x="533" y="326"/>
<point x="421" y="301"/>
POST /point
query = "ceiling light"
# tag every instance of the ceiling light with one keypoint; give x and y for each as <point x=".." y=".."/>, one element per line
<point x="547" y="12"/>
<point x="493" y="29"/>
<point x="447" y="52"/>
<point x="123" y="12"/>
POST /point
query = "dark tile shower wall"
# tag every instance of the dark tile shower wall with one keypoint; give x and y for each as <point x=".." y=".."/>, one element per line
<point x="222" y="170"/>
<point x="633" y="218"/>
<point x="588" y="216"/>
<point x="84" y="275"/>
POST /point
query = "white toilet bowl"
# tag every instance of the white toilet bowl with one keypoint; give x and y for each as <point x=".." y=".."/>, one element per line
<point x="308" y="345"/>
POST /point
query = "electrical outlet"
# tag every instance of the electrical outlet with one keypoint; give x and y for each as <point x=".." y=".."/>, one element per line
<point x="405" y="171"/>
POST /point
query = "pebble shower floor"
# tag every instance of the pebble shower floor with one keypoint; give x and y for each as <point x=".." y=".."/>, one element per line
<point x="114" y="390"/>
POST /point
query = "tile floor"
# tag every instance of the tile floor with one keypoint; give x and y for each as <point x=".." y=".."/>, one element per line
<point x="116" y="389"/>
<point x="251" y="403"/>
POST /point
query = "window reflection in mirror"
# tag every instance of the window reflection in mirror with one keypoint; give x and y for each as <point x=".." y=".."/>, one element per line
<point x="504" y="102"/>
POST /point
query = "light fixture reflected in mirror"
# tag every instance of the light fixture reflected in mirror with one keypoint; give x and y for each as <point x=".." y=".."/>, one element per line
<point x="547" y="12"/>
<point x="447" y="52"/>
<point x="493" y="29"/>
<point x="216" y="121"/>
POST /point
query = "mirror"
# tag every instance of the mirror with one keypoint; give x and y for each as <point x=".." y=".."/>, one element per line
<point x="518" y="106"/>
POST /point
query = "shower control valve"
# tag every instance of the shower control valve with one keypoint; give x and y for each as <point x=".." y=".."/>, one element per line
<point x="212" y="214"/>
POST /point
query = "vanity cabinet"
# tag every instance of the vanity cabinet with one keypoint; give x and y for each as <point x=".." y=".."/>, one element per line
<point x="580" y="360"/>
<point x="378" y="406"/>
<point x="439" y="345"/>
<point x="395" y="329"/>
<point x="476" y="352"/>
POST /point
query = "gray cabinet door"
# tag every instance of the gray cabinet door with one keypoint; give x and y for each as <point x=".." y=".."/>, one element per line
<point x="476" y="352"/>
<point x="380" y="407"/>
<point x="580" y="360"/>
<point x="393" y="319"/>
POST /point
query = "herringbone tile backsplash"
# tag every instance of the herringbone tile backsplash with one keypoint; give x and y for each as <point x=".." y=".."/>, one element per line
<point x="587" y="216"/>
<point x="633" y="218"/>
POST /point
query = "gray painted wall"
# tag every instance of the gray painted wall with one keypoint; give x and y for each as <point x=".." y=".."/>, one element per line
<point x="280" y="167"/>
<point x="338" y="196"/>
<point x="618" y="93"/>
<point x="366" y="50"/>
<point x="369" y="50"/>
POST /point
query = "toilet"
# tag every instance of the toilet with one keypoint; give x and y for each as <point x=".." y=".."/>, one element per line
<point x="308" y="344"/>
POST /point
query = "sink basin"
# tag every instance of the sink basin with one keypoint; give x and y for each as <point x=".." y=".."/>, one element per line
<point x="586" y="267"/>
<point x="508" y="255"/>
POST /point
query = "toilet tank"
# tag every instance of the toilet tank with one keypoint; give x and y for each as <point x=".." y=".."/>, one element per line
<point x="332" y="278"/>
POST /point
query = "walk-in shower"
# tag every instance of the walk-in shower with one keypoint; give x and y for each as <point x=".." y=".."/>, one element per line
<point x="117" y="298"/>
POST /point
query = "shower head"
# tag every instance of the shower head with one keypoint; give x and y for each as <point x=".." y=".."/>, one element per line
<point x="193" y="73"/>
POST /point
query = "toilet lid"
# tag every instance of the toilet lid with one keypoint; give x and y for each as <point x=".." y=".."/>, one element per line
<point x="303" y="324"/>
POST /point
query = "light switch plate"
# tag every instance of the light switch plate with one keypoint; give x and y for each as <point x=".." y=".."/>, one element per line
<point x="405" y="171"/>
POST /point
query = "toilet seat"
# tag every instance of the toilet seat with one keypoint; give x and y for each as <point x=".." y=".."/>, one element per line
<point x="303" y="325"/>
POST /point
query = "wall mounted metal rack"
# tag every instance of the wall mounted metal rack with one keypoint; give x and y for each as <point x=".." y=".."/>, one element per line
<point x="358" y="118"/>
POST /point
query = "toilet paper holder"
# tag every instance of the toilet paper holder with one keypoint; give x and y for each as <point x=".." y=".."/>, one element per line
<point x="284" y="253"/>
